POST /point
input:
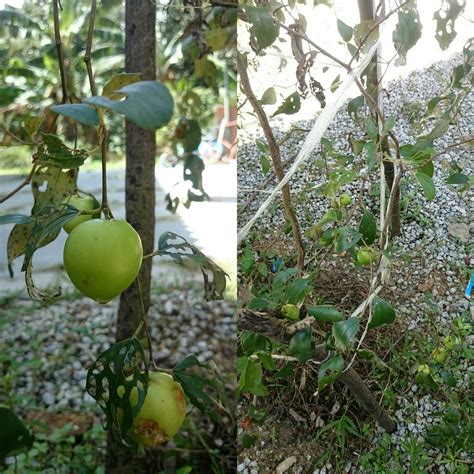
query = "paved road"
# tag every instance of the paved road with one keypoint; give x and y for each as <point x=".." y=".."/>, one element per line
<point x="209" y="225"/>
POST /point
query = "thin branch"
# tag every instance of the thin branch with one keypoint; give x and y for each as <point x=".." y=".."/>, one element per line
<point x="275" y="156"/>
<point x="59" y="47"/>
<point x="20" y="186"/>
<point x="145" y="323"/>
<point x="87" y="55"/>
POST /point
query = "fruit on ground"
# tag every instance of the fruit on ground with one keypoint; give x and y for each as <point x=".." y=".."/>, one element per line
<point x="439" y="355"/>
<point x="345" y="200"/>
<point x="103" y="257"/>
<point x="366" y="256"/>
<point x="423" y="369"/>
<point x="162" y="412"/>
<point x="290" y="311"/>
<point x="83" y="203"/>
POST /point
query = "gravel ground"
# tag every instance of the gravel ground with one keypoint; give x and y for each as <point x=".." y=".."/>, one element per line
<point x="57" y="344"/>
<point x="436" y="234"/>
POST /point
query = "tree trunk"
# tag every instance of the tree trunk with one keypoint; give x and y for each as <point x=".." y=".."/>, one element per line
<point x="140" y="45"/>
<point x="366" y="11"/>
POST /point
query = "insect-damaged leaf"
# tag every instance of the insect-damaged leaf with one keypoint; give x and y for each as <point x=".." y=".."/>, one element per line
<point x="290" y="105"/>
<point x="264" y="30"/>
<point x="446" y="18"/>
<point x="111" y="379"/>
<point x="406" y="34"/>
<point x="179" y="249"/>
<point x="53" y="152"/>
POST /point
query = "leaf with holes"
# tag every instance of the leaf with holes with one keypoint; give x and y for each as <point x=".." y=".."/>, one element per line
<point x="383" y="313"/>
<point x="427" y="185"/>
<point x="53" y="152"/>
<point x="81" y="113"/>
<point x="180" y="250"/>
<point x="344" y="333"/>
<point x="111" y="379"/>
<point x="148" y="104"/>
<point x="203" y="387"/>
<point x="368" y="227"/>
<point x="329" y="371"/>
<point x="291" y="105"/>
<point x="446" y="18"/>
<point x="263" y="30"/>
<point x="302" y="345"/>
<point x="50" y="187"/>
<point x="14" y="435"/>
<point x="365" y="34"/>
<point x="406" y="34"/>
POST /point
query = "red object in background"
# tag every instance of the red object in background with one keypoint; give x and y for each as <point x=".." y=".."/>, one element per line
<point x="227" y="130"/>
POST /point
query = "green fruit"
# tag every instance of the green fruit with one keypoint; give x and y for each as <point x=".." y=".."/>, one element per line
<point x="366" y="256"/>
<point x="162" y="413"/>
<point x="82" y="203"/>
<point x="439" y="355"/>
<point x="423" y="369"/>
<point x="103" y="257"/>
<point x="290" y="311"/>
<point x="450" y="342"/>
<point x="327" y="238"/>
<point x="345" y="200"/>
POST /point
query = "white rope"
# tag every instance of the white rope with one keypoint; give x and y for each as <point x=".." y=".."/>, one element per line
<point x="314" y="136"/>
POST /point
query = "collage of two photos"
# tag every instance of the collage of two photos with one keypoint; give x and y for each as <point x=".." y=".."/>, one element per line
<point x="236" y="237"/>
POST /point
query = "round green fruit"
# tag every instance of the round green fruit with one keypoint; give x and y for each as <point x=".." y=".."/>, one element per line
<point x="82" y="203"/>
<point x="345" y="200"/>
<point x="439" y="355"/>
<point x="103" y="258"/>
<point x="290" y="311"/>
<point x="366" y="256"/>
<point x="450" y="342"/>
<point x="162" y="413"/>
<point x="423" y="369"/>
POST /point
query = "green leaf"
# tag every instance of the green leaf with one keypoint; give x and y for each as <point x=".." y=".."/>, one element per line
<point x="296" y="290"/>
<point x="344" y="30"/>
<point x="426" y="168"/>
<point x="427" y="184"/>
<point x="356" y="145"/>
<point x="14" y="219"/>
<point x="217" y="38"/>
<point x="148" y="104"/>
<point x="383" y="313"/>
<point x="111" y="379"/>
<point x="371" y="149"/>
<point x="329" y="371"/>
<point x="346" y="239"/>
<point x="406" y="34"/>
<point x="202" y="385"/>
<point x="53" y="152"/>
<point x="248" y="440"/>
<point x="179" y="249"/>
<point x="290" y="105"/>
<point x="445" y="21"/>
<point x="354" y="105"/>
<point x="267" y="360"/>
<point x="264" y="29"/>
<point x="301" y="345"/>
<point x="325" y="313"/>
<point x="252" y="342"/>
<point x="371" y="127"/>
<point x="361" y="30"/>
<point x="8" y="94"/>
<point x="265" y="164"/>
<point x="368" y="227"/>
<point x="269" y="97"/>
<point x="344" y="333"/>
<point x="440" y="128"/>
<point x="388" y="124"/>
<point x="257" y="304"/>
<point x="80" y="112"/>
<point x="247" y="261"/>
<point x="455" y="178"/>
<point x="14" y="435"/>
<point x="250" y="376"/>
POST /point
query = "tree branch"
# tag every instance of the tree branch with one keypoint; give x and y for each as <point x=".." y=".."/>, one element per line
<point x="275" y="156"/>
<point x="59" y="47"/>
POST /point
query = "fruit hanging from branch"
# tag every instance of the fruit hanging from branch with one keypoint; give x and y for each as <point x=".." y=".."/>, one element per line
<point x="82" y="202"/>
<point x="103" y="258"/>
